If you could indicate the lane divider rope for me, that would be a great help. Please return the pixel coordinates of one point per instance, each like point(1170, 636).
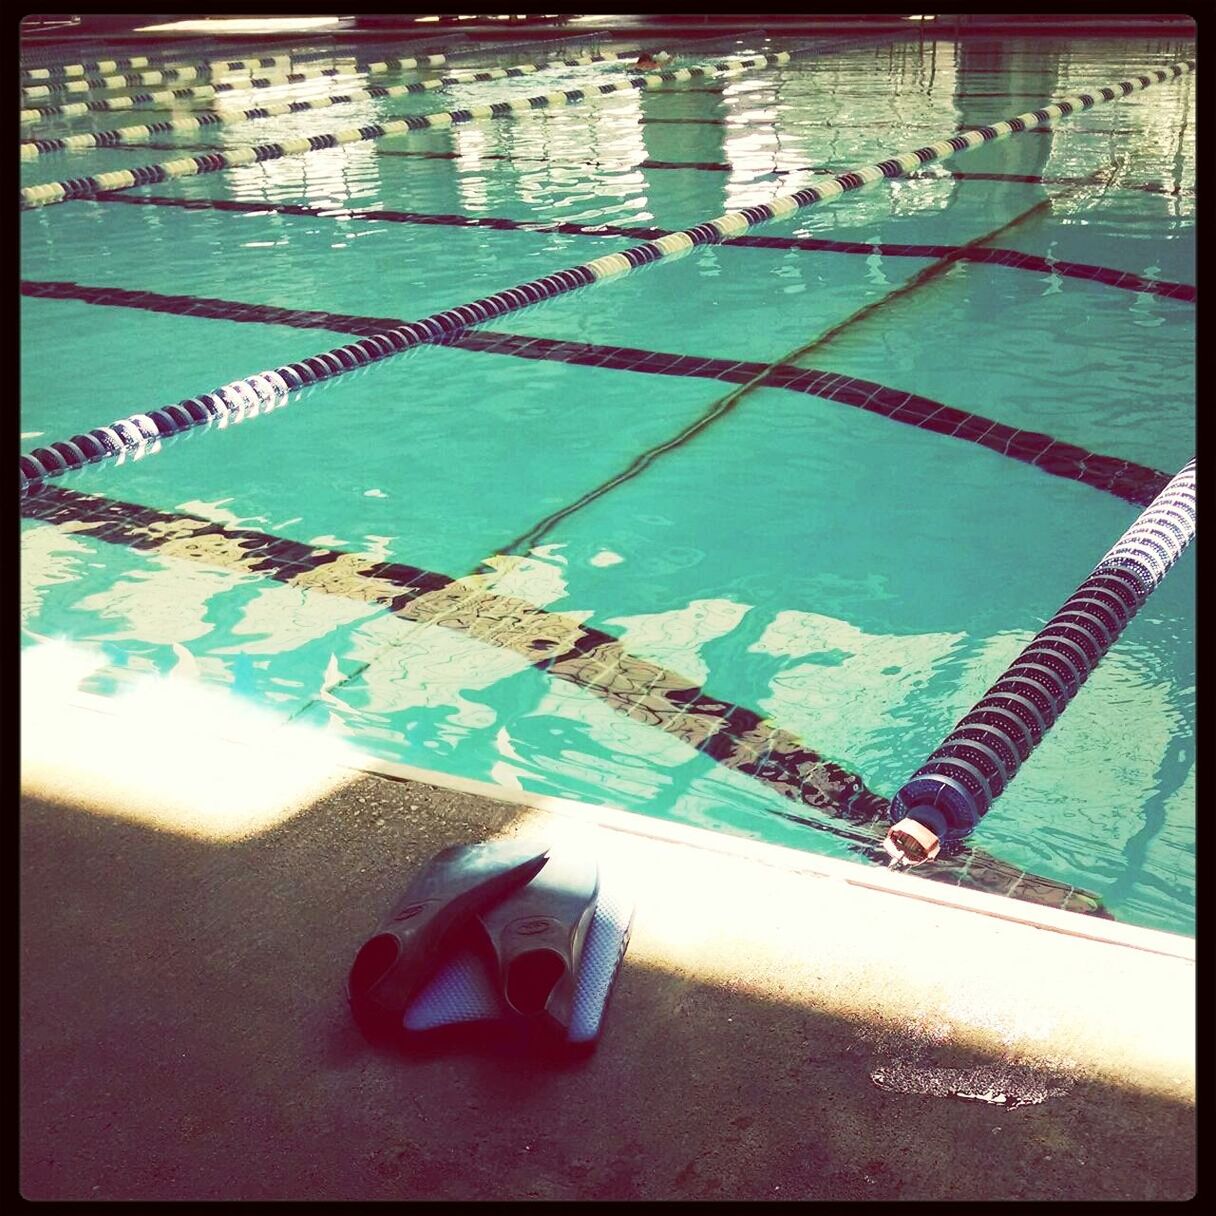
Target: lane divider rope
point(951, 792)
point(1175, 190)
point(54, 71)
point(165, 58)
point(1012, 259)
point(133, 62)
point(218, 63)
point(96, 139)
point(130, 80)
point(204, 92)
point(47, 193)
point(268, 390)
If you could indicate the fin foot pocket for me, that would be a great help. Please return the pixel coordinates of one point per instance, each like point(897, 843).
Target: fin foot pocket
point(536, 935)
point(407, 947)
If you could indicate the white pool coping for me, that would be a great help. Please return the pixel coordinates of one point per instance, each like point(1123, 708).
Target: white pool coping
point(276, 738)
point(871, 877)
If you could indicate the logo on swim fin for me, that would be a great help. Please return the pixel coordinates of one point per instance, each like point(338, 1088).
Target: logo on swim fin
point(534, 924)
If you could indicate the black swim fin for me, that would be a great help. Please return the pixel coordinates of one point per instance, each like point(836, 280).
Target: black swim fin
point(401, 955)
point(537, 935)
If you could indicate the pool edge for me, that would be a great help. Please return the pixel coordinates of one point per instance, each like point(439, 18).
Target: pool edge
point(782, 857)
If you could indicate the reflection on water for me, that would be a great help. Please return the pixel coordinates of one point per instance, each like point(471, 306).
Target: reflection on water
point(886, 676)
point(675, 638)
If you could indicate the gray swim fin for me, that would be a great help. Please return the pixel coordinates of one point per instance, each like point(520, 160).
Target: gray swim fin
point(537, 935)
point(405, 950)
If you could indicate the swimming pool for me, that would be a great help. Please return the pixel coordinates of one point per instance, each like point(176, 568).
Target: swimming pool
point(613, 563)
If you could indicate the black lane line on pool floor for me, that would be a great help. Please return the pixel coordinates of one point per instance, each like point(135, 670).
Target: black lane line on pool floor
point(1135, 483)
point(731, 735)
point(1011, 259)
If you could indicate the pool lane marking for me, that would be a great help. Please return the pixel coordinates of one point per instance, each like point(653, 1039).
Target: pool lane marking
point(693, 122)
point(732, 735)
point(1035, 179)
point(1010, 258)
point(74, 109)
point(67, 71)
point(47, 193)
point(155, 57)
point(219, 90)
point(1125, 479)
point(451, 44)
point(768, 122)
point(265, 391)
point(460, 76)
point(118, 136)
point(719, 409)
point(170, 59)
point(46, 71)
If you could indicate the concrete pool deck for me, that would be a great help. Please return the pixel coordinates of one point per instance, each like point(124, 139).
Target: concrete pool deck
point(777, 1031)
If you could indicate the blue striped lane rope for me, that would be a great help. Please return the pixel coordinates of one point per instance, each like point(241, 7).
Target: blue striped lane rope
point(269, 390)
point(955, 787)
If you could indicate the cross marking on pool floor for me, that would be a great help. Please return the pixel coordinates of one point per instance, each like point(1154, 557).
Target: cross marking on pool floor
point(1126, 479)
point(724, 405)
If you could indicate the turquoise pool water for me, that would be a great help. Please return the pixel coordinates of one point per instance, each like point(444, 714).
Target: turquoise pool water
point(856, 581)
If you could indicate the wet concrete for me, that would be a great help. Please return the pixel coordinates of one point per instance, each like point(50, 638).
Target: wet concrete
point(184, 1032)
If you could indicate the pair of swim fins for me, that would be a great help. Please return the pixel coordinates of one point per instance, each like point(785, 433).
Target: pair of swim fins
point(530, 909)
